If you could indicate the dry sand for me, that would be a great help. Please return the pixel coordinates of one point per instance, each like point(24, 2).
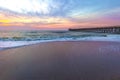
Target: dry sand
point(80, 60)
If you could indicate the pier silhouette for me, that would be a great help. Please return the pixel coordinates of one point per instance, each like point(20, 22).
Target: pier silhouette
point(112, 29)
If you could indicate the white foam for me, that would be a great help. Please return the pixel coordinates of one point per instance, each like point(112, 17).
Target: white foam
point(10, 44)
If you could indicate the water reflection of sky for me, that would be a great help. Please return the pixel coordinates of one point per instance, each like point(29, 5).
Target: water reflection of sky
point(110, 48)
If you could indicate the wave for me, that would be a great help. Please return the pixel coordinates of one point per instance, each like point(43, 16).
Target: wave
point(16, 39)
point(10, 44)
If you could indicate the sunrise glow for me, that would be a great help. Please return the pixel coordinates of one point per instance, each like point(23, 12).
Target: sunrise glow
point(58, 14)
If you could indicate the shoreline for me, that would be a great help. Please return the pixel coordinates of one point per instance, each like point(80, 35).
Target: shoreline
point(2, 49)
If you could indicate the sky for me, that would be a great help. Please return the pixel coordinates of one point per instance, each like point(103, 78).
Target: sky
point(58, 14)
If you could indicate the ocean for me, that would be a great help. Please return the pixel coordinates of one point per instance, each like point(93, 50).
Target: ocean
point(9, 39)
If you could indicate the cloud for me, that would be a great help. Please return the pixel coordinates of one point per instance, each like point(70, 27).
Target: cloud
point(39, 7)
point(59, 13)
point(27, 6)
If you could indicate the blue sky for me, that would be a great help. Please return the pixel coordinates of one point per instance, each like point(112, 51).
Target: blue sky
point(78, 13)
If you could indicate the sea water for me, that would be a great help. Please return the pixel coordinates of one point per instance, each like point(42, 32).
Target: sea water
point(10, 39)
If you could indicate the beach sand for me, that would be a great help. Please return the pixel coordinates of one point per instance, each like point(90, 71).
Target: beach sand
point(65, 60)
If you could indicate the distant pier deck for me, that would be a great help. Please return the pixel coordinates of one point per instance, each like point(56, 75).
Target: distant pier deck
point(114, 30)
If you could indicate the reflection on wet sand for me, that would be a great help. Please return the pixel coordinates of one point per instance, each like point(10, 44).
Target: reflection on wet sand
point(84, 60)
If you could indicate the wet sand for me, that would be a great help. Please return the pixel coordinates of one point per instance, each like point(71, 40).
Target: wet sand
point(79, 60)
